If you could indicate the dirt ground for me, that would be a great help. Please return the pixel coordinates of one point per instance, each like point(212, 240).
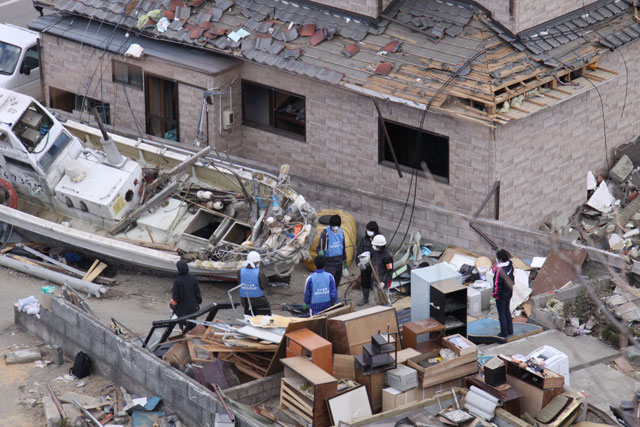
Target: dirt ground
point(135, 302)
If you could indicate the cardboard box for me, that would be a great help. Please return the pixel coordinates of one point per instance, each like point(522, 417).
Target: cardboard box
point(393, 398)
point(349, 333)
point(533, 398)
point(402, 378)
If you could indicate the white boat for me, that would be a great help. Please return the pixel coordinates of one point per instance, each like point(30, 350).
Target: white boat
point(143, 203)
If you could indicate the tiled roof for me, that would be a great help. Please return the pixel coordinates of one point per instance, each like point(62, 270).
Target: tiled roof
point(422, 44)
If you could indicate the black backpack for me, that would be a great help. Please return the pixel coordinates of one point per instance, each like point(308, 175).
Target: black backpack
point(81, 365)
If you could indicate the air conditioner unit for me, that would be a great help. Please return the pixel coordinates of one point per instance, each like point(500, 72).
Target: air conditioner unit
point(227, 119)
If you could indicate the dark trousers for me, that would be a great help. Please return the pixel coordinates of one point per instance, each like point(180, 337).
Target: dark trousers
point(334, 266)
point(260, 306)
point(504, 315)
point(365, 278)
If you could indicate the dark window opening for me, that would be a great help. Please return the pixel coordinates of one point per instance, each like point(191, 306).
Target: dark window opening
point(69, 101)
point(273, 110)
point(161, 108)
point(128, 74)
point(412, 147)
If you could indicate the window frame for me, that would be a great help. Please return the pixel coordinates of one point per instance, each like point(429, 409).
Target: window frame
point(388, 162)
point(271, 128)
point(130, 70)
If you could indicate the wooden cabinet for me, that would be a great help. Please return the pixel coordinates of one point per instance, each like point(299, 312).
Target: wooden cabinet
point(304, 390)
point(449, 307)
point(412, 333)
point(312, 346)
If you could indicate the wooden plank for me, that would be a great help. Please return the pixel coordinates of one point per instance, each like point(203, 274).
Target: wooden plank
point(286, 404)
point(90, 277)
point(94, 265)
point(290, 389)
point(312, 373)
point(344, 366)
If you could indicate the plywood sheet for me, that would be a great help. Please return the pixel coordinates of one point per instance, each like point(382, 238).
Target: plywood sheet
point(558, 269)
point(351, 332)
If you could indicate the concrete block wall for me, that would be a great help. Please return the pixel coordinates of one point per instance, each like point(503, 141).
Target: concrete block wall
point(83, 69)
point(542, 160)
point(342, 140)
point(525, 14)
point(124, 363)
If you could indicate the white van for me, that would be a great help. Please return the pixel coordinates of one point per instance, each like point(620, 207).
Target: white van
point(19, 60)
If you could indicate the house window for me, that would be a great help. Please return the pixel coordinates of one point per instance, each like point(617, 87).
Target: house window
point(69, 101)
point(413, 146)
point(273, 110)
point(128, 74)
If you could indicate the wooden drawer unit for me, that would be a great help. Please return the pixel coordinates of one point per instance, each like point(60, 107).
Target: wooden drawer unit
point(313, 347)
point(304, 390)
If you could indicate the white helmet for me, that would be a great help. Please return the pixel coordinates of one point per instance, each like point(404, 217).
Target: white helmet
point(253, 257)
point(379, 241)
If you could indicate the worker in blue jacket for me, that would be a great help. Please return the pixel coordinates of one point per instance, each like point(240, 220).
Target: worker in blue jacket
point(321, 291)
point(254, 283)
point(332, 247)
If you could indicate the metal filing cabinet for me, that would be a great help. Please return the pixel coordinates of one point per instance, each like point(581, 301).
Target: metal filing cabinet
point(421, 281)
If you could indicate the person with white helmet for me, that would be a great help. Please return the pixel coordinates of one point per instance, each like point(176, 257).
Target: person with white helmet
point(364, 251)
point(382, 263)
point(254, 283)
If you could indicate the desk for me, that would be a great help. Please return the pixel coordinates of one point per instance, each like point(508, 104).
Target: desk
point(510, 397)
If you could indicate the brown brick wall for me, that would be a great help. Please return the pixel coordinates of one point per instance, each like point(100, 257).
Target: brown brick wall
point(529, 13)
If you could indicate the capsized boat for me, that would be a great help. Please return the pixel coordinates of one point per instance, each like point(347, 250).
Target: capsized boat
point(141, 202)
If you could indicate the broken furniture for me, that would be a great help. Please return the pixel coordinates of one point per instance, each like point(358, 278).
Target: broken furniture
point(509, 396)
point(422, 279)
point(417, 334)
point(372, 364)
point(304, 390)
point(495, 372)
point(349, 333)
point(434, 369)
point(375, 357)
point(305, 343)
point(169, 324)
point(449, 306)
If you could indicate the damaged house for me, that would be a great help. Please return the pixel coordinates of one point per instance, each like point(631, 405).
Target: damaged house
point(360, 96)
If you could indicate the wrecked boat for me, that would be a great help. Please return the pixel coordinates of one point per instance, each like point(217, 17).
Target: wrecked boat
point(144, 203)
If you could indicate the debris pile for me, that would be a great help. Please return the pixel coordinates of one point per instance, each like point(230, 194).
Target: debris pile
point(610, 218)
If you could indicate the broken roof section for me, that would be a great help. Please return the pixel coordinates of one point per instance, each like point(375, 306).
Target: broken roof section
point(449, 55)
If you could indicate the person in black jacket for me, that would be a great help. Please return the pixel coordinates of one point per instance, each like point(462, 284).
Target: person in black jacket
point(382, 268)
point(503, 290)
point(364, 245)
point(185, 297)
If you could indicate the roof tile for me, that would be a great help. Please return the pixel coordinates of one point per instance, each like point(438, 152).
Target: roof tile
point(307, 30)
point(383, 69)
point(318, 37)
point(350, 50)
point(392, 46)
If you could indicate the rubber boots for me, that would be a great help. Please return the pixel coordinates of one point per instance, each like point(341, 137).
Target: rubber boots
point(365, 297)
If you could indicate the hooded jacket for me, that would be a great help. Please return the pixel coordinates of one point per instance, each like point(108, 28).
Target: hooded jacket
point(185, 296)
point(503, 281)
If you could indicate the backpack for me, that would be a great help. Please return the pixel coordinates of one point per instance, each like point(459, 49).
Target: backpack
point(81, 365)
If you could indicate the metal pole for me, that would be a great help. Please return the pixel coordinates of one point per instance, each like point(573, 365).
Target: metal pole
point(53, 276)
